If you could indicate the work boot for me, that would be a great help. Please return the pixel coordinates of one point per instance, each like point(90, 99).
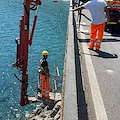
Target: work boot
point(97, 47)
point(91, 46)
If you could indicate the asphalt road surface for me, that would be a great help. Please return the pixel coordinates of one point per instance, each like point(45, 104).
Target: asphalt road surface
point(100, 73)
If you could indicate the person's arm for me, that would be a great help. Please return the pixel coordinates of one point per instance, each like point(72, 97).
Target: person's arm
point(78, 8)
point(107, 12)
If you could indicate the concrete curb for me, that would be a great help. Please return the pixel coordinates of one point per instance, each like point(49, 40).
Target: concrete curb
point(70, 96)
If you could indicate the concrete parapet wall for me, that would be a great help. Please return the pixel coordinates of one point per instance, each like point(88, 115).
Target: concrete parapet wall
point(69, 95)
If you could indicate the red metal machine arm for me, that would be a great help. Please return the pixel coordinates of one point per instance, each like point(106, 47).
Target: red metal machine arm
point(22, 46)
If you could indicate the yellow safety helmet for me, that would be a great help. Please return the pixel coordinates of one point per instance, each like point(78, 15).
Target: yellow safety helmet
point(45, 53)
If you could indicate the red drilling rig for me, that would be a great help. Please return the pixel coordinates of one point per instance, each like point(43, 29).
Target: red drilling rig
point(22, 48)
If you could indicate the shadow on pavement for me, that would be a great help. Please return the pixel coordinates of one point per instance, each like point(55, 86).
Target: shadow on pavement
point(105, 54)
point(102, 54)
point(104, 40)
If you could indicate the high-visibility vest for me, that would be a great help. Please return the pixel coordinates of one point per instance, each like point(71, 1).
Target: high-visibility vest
point(41, 69)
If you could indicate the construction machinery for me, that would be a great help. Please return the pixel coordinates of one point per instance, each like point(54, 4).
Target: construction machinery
point(113, 24)
point(23, 44)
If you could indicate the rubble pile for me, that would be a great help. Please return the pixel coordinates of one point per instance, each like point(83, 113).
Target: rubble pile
point(47, 110)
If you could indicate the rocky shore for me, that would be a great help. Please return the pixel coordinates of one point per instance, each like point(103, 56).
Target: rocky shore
point(47, 110)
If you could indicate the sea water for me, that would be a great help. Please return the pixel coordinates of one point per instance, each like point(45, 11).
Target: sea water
point(50, 35)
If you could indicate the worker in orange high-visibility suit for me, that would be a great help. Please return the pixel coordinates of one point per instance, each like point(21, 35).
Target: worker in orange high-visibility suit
point(44, 73)
point(97, 9)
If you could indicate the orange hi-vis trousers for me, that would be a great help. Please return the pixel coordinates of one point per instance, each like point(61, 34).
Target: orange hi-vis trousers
point(94, 30)
point(45, 86)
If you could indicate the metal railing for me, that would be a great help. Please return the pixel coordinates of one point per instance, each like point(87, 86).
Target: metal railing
point(54, 79)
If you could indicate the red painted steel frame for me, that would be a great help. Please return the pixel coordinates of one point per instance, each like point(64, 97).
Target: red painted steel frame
point(22, 48)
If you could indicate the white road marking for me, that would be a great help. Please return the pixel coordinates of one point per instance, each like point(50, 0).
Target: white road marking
point(95, 90)
point(110, 72)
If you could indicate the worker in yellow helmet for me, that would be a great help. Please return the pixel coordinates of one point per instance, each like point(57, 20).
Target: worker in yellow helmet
point(44, 73)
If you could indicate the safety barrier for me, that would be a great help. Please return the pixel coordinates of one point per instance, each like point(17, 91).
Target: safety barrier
point(55, 79)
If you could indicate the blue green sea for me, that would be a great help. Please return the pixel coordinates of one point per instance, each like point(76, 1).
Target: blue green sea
point(50, 35)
